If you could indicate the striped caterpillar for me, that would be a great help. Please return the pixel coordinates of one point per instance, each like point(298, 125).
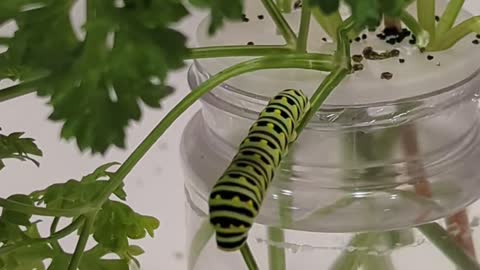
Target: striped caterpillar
point(237, 196)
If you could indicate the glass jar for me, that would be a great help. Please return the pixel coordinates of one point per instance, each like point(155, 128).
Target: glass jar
point(356, 190)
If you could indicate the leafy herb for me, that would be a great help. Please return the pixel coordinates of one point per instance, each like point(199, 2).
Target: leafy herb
point(14, 146)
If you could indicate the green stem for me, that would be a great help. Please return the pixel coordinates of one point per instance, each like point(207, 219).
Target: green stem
point(237, 51)
point(82, 242)
point(282, 25)
point(18, 90)
point(440, 238)
point(285, 6)
point(455, 34)
point(52, 238)
point(426, 16)
point(40, 211)
point(276, 255)
point(329, 23)
point(323, 91)
point(301, 61)
point(423, 37)
point(53, 230)
point(352, 260)
point(304, 28)
point(200, 240)
point(248, 257)
point(449, 16)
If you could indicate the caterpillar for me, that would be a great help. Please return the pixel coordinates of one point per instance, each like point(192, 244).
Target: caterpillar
point(237, 196)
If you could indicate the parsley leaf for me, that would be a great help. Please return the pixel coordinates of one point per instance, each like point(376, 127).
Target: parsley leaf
point(74, 193)
point(366, 13)
point(97, 84)
point(14, 146)
point(116, 223)
point(220, 10)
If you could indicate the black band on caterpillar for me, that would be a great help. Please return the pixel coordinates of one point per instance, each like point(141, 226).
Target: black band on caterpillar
point(237, 197)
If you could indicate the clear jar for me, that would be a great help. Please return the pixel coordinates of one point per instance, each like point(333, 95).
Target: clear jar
point(357, 183)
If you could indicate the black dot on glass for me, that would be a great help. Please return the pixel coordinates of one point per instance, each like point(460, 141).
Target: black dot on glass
point(476, 41)
point(245, 19)
point(261, 17)
point(324, 39)
point(364, 36)
point(357, 39)
point(430, 57)
point(250, 43)
point(411, 41)
point(478, 35)
point(437, 18)
point(401, 60)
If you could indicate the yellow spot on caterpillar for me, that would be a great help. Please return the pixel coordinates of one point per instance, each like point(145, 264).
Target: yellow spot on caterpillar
point(250, 203)
point(236, 199)
point(218, 197)
point(232, 226)
point(242, 227)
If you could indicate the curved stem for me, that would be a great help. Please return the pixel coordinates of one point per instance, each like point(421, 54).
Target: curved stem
point(282, 25)
point(304, 28)
point(18, 90)
point(449, 16)
point(457, 33)
point(40, 211)
point(440, 238)
point(82, 242)
point(53, 230)
point(276, 255)
point(426, 16)
point(302, 61)
point(52, 238)
point(330, 23)
point(285, 6)
point(423, 37)
point(237, 51)
point(248, 257)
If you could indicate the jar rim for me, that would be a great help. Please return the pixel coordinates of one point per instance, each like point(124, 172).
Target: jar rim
point(248, 104)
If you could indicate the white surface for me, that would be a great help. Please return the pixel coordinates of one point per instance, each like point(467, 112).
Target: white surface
point(155, 186)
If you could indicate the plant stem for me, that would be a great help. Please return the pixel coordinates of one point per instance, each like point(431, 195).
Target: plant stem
point(276, 255)
point(304, 28)
point(18, 90)
point(282, 25)
point(248, 257)
point(440, 238)
point(352, 260)
point(426, 16)
point(458, 226)
point(82, 242)
point(449, 16)
point(200, 240)
point(285, 6)
point(53, 230)
point(423, 37)
point(329, 23)
point(455, 34)
point(302, 61)
point(237, 51)
point(391, 22)
point(49, 212)
point(52, 238)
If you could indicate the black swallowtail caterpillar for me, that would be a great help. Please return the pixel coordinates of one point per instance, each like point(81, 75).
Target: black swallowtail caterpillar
point(238, 195)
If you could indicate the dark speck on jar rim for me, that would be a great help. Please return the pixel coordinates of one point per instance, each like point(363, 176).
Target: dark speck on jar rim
point(430, 57)
point(261, 17)
point(476, 41)
point(250, 43)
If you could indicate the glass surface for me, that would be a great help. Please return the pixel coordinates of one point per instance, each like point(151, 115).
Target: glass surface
point(357, 181)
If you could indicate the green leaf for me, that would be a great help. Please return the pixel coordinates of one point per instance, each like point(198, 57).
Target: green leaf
point(26, 258)
point(16, 147)
point(135, 250)
point(367, 13)
point(14, 217)
point(97, 84)
point(327, 6)
point(116, 223)
point(220, 10)
point(74, 193)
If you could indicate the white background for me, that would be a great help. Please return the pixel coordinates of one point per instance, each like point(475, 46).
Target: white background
point(155, 187)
